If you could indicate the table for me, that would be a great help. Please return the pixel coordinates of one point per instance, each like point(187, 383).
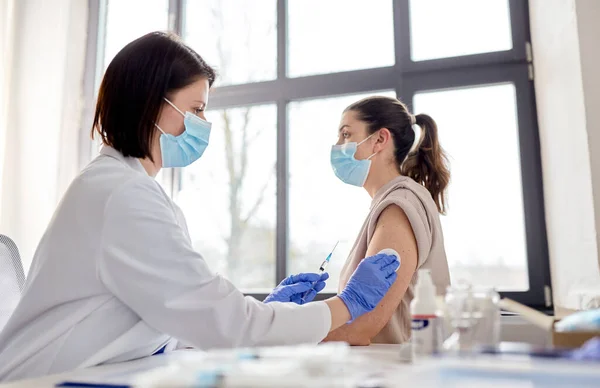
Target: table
point(480, 371)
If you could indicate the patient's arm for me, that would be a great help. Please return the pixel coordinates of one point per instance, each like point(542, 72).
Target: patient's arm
point(393, 230)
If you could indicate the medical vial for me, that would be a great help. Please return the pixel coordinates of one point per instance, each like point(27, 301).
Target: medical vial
point(426, 330)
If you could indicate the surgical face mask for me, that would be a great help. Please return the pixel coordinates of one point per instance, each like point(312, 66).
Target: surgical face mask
point(185, 149)
point(347, 168)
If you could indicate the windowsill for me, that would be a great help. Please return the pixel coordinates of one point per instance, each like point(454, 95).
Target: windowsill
point(560, 312)
point(262, 295)
point(544, 310)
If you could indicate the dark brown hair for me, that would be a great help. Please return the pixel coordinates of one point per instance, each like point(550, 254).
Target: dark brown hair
point(428, 164)
point(132, 90)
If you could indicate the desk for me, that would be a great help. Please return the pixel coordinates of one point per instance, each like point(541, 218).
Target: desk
point(481, 371)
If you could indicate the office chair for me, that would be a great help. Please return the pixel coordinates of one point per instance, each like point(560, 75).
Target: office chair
point(12, 278)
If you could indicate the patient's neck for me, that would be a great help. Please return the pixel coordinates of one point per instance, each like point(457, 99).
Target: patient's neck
point(379, 176)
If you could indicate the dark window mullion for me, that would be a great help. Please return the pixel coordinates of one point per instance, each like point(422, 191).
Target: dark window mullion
point(176, 21)
point(94, 60)
point(519, 25)
point(402, 38)
point(538, 262)
point(281, 39)
point(401, 42)
point(282, 225)
point(305, 88)
point(494, 58)
point(176, 16)
point(457, 78)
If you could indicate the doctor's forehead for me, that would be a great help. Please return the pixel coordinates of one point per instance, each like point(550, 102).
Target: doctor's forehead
point(196, 91)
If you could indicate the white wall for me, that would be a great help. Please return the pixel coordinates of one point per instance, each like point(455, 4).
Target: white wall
point(43, 108)
point(565, 39)
point(588, 25)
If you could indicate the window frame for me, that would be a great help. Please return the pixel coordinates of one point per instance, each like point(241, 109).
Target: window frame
point(407, 78)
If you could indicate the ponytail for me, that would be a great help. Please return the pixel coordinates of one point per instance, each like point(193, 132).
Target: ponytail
point(428, 164)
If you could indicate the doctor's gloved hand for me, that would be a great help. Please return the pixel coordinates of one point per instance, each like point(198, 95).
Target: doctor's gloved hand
point(369, 283)
point(294, 287)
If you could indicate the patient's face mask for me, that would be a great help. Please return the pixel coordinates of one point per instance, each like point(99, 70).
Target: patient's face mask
point(346, 167)
point(185, 149)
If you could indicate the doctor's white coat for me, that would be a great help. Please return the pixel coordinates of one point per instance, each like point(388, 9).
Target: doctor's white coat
point(115, 278)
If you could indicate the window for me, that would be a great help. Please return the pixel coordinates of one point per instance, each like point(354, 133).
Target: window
point(478, 254)
point(341, 36)
point(323, 210)
point(122, 26)
point(237, 37)
point(115, 30)
point(287, 70)
point(462, 27)
point(233, 223)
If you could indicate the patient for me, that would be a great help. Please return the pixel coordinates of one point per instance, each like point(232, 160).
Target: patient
point(398, 160)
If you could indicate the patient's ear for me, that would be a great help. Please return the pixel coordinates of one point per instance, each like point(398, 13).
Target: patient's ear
point(382, 138)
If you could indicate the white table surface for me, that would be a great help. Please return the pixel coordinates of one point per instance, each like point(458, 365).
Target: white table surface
point(492, 371)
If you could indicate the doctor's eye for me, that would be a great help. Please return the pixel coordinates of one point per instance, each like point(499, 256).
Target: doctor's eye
point(197, 111)
point(345, 135)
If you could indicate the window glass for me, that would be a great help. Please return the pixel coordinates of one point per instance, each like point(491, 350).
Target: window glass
point(152, 15)
point(120, 31)
point(484, 230)
point(228, 196)
point(323, 210)
point(239, 38)
point(442, 28)
point(339, 35)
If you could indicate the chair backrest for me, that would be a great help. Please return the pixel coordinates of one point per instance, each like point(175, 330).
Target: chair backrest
point(12, 278)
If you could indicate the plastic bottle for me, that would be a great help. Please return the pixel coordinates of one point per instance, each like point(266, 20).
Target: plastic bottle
point(425, 321)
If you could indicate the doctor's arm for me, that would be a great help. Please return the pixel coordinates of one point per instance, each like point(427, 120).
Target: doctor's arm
point(147, 261)
point(394, 231)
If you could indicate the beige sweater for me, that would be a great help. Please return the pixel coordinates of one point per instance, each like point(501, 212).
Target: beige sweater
point(419, 207)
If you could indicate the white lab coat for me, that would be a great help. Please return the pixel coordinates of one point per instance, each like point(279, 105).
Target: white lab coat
point(115, 278)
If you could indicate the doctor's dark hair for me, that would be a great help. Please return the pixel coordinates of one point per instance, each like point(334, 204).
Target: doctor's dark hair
point(428, 164)
point(132, 90)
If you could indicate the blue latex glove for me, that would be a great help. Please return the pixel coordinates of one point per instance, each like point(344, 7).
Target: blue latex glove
point(293, 288)
point(369, 283)
point(590, 351)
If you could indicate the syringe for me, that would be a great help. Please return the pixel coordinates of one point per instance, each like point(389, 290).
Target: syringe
point(327, 259)
point(322, 268)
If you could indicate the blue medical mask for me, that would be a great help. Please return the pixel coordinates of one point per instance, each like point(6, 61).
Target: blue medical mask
point(346, 167)
point(185, 149)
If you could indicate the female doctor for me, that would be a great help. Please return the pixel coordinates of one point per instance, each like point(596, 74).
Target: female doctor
point(115, 277)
